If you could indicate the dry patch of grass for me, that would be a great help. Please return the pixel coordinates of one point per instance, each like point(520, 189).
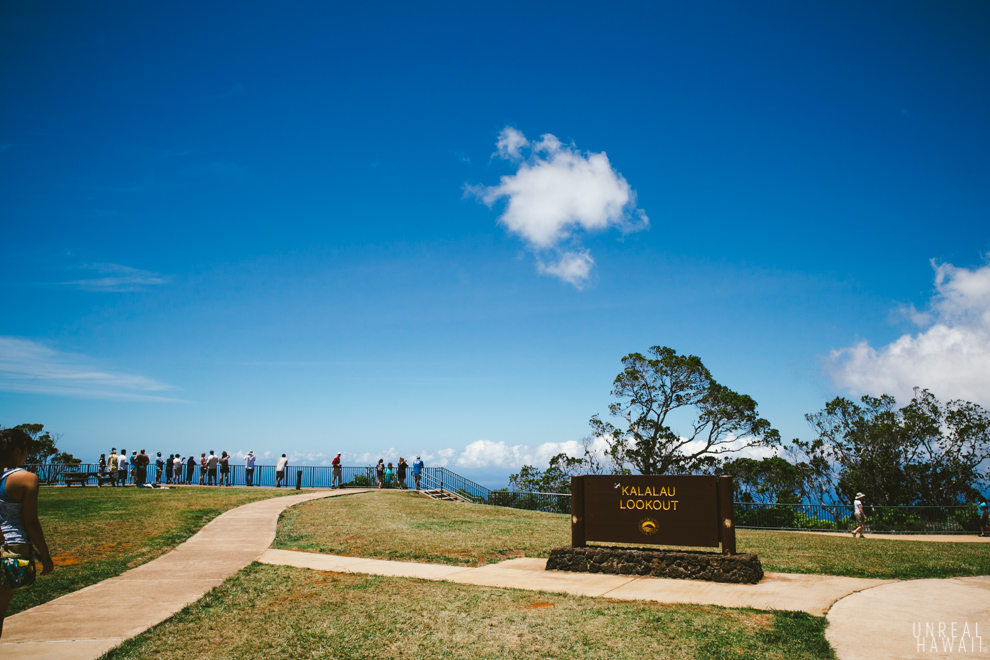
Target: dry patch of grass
point(408, 527)
point(98, 533)
point(281, 612)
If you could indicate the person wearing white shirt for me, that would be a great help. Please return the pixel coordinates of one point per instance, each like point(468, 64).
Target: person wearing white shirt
point(859, 514)
point(211, 468)
point(249, 468)
point(280, 470)
point(122, 467)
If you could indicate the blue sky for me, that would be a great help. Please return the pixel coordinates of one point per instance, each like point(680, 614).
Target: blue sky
point(325, 228)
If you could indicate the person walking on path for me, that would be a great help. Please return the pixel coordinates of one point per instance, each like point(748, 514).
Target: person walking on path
point(23, 539)
point(983, 511)
point(335, 463)
point(400, 471)
point(859, 514)
point(122, 470)
point(112, 466)
point(280, 470)
point(417, 471)
point(249, 468)
point(224, 469)
point(380, 473)
point(141, 462)
point(211, 469)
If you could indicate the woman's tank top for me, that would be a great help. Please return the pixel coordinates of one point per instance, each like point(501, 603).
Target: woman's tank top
point(11, 513)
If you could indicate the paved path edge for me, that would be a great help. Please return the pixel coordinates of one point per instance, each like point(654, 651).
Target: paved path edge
point(87, 623)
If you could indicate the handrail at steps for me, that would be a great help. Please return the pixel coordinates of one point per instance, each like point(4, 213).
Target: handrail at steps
point(444, 479)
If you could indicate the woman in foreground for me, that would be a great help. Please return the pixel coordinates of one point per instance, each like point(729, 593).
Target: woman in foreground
point(23, 540)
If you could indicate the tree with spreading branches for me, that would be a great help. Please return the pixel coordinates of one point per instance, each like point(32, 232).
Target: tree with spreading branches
point(656, 388)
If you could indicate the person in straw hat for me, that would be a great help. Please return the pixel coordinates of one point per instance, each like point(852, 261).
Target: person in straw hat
point(859, 514)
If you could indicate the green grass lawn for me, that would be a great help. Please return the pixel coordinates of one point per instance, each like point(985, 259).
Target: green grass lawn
point(269, 611)
point(98, 533)
point(279, 612)
point(408, 527)
point(872, 557)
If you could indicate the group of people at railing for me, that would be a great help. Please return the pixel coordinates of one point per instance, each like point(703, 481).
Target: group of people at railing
point(121, 470)
point(386, 475)
point(141, 469)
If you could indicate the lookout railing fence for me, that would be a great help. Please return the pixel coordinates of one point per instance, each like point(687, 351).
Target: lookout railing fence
point(958, 519)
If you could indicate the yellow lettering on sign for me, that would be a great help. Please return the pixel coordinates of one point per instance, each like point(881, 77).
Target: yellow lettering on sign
point(649, 505)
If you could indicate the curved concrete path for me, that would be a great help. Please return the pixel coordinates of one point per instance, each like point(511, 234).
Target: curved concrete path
point(913, 619)
point(777, 591)
point(87, 623)
point(867, 618)
point(926, 538)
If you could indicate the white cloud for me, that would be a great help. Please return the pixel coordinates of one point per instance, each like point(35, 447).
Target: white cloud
point(478, 454)
point(510, 143)
point(28, 366)
point(486, 454)
point(557, 193)
point(950, 355)
point(117, 278)
point(572, 267)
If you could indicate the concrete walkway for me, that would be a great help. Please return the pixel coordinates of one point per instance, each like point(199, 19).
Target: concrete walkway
point(867, 618)
point(89, 622)
point(913, 619)
point(927, 538)
point(778, 591)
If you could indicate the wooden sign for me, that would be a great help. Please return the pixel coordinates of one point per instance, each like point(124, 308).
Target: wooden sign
point(685, 510)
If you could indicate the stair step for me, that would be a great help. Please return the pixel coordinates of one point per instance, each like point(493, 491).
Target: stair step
point(442, 495)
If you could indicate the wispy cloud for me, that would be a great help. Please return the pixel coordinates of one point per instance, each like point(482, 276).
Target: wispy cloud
point(556, 194)
point(950, 355)
point(478, 454)
point(29, 366)
point(117, 278)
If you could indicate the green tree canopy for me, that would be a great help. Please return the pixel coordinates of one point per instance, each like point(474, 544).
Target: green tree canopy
point(926, 453)
point(44, 450)
point(655, 388)
point(555, 479)
point(772, 480)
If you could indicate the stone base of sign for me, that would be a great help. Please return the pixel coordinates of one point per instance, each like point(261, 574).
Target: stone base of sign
point(737, 569)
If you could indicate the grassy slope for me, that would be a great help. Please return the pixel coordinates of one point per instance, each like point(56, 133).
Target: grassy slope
point(407, 527)
point(279, 612)
point(98, 533)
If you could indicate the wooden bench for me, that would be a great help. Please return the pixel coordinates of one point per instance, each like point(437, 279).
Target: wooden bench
point(82, 478)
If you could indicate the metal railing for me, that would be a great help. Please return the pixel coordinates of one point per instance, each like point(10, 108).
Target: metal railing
point(444, 479)
point(313, 476)
point(546, 502)
point(961, 519)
